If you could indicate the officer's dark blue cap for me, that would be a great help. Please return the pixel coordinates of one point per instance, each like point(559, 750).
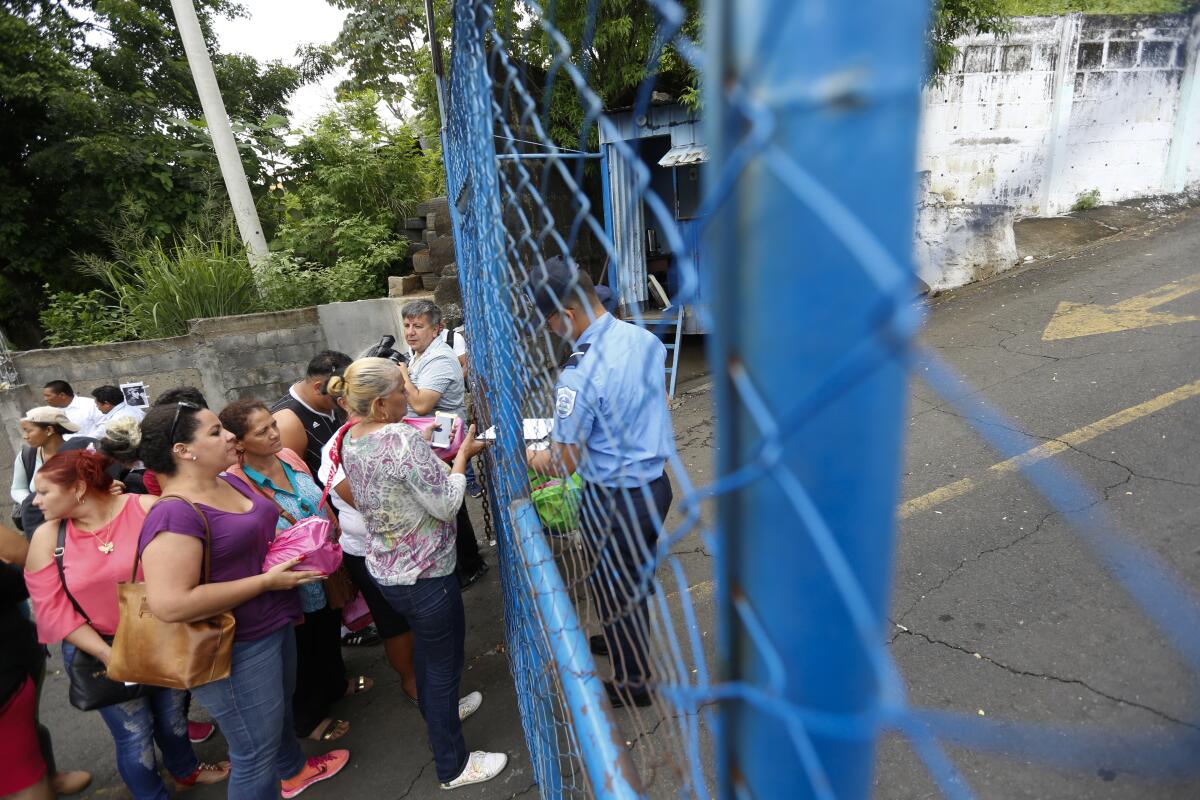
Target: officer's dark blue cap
point(607, 299)
point(550, 284)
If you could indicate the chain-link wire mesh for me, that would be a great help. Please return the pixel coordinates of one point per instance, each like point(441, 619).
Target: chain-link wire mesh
point(519, 200)
point(813, 173)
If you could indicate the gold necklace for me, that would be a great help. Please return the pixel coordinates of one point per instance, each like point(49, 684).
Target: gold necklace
point(105, 547)
point(102, 545)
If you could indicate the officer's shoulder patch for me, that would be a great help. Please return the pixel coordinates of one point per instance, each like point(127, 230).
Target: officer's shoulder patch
point(564, 402)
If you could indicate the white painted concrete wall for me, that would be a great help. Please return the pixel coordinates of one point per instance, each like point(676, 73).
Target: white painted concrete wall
point(1061, 107)
point(990, 129)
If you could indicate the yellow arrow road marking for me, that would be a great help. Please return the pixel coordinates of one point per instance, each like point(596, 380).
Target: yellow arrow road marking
point(1083, 319)
point(1051, 448)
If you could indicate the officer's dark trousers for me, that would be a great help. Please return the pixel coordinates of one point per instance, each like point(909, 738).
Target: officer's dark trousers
point(620, 528)
point(466, 546)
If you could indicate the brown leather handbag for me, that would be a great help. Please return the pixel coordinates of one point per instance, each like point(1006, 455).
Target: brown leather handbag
point(175, 655)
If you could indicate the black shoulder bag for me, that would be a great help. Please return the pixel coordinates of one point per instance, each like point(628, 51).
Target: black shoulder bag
point(91, 687)
point(28, 460)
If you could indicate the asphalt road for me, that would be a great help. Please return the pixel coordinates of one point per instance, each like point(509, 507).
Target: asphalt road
point(997, 606)
point(999, 609)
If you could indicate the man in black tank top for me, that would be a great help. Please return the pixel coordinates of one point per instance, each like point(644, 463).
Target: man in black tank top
point(307, 416)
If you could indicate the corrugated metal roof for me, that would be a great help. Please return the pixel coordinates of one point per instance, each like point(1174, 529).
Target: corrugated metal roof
point(658, 121)
point(683, 154)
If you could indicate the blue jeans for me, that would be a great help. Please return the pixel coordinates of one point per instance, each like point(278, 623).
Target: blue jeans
point(434, 609)
point(253, 706)
point(136, 726)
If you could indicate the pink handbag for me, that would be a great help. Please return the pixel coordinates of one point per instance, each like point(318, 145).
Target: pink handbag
point(355, 614)
point(310, 537)
point(456, 436)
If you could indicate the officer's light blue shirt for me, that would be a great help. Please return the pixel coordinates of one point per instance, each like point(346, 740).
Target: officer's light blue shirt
point(612, 401)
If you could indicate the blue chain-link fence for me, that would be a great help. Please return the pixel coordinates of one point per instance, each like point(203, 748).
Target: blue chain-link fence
point(778, 216)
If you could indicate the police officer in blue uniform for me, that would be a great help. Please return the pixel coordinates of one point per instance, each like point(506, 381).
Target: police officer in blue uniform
point(612, 425)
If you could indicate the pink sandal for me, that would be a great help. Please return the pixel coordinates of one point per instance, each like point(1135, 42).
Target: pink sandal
point(318, 768)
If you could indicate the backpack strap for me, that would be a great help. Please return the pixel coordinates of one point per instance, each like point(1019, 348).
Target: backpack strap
point(28, 460)
point(59, 552)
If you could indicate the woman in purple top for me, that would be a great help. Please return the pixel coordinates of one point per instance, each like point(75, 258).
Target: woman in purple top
point(189, 450)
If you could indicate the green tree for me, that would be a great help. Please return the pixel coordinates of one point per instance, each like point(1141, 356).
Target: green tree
point(343, 204)
point(383, 47)
point(953, 19)
point(99, 113)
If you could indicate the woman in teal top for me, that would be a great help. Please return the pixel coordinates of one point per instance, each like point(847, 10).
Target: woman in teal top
point(282, 476)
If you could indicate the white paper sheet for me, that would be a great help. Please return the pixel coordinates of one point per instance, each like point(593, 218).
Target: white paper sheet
point(535, 430)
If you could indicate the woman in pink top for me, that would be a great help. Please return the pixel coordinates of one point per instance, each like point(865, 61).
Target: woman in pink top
point(101, 543)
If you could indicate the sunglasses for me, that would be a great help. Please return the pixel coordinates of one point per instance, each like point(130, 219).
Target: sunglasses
point(182, 404)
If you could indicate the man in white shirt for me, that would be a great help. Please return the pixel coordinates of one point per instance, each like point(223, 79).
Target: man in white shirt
point(110, 402)
point(80, 410)
point(456, 339)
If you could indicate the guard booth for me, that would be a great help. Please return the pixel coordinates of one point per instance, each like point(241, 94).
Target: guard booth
point(667, 142)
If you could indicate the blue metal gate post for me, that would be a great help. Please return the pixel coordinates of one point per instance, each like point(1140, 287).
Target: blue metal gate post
point(813, 112)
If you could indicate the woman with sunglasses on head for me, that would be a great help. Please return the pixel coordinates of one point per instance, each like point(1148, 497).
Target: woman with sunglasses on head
point(189, 450)
point(409, 500)
point(78, 606)
point(281, 476)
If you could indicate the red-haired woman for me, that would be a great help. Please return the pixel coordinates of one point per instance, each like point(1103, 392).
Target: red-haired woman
point(102, 533)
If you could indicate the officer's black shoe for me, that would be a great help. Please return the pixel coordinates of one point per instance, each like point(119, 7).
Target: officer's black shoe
point(597, 645)
point(622, 697)
point(467, 581)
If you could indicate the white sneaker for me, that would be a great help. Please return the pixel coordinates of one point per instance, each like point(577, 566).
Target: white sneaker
point(469, 705)
point(480, 767)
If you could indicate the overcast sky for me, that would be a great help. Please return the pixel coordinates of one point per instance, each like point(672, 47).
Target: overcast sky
point(273, 30)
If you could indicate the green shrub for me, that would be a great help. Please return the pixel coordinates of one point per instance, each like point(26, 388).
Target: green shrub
point(1086, 200)
point(160, 288)
point(284, 284)
point(71, 318)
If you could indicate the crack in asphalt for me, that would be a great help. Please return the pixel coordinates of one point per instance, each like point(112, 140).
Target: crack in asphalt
point(653, 730)
point(970, 560)
point(1074, 448)
point(699, 550)
point(413, 785)
point(526, 790)
point(926, 594)
point(1046, 676)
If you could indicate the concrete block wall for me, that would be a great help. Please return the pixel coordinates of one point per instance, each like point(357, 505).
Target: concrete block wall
point(1126, 98)
point(255, 355)
point(1062, 107)
point(985, 128)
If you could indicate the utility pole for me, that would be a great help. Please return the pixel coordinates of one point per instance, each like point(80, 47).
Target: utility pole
point(218, 127)
point(439, 68)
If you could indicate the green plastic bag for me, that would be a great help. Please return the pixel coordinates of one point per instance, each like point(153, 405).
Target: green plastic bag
point(556, 500)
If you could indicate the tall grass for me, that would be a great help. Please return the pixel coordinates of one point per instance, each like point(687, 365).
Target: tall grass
point(1048, 8)
point(159, 288)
